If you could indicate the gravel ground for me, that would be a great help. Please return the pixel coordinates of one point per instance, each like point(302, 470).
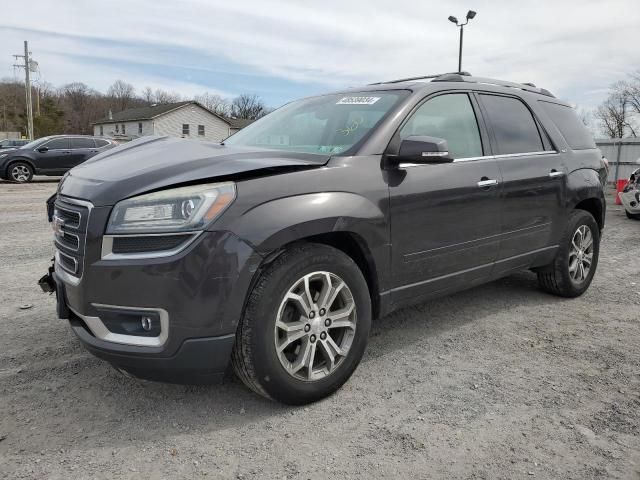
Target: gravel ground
point(501, 381)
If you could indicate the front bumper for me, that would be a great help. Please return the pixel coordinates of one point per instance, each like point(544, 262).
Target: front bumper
point(631, 200)
point(198, 295)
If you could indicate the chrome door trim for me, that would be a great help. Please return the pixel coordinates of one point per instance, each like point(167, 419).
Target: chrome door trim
point(506, 155)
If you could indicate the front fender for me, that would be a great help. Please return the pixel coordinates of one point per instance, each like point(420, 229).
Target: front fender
point(270, 225)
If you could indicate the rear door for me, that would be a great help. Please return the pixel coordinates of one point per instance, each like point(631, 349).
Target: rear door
point(534, 181)
point(82, 148)
point(445, 218)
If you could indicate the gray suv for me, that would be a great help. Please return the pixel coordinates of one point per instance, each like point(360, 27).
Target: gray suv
point(273, 251)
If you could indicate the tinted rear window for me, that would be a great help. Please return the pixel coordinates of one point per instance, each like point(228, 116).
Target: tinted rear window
point(101, 143)
point(572, 129)
point(82, 143)
point(513, 125)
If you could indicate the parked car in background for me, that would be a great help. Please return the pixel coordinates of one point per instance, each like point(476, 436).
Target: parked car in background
point(12, 143)
point(630, 196)
point(274, 250)
point(53, 155)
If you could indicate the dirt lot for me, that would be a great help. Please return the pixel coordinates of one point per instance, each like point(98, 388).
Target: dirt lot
point(501, 381)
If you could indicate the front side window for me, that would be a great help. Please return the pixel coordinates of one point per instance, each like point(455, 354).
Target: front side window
point(450, 117)
point(57, 144)
point(513, 125)
point(329, 124)
point(185, 129)
point(201, 130)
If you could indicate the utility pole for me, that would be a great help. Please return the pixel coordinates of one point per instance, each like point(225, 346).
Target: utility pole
point(27, 86)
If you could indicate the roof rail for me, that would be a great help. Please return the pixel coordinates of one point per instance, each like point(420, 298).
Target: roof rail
point(424, 77)
point(529, 87)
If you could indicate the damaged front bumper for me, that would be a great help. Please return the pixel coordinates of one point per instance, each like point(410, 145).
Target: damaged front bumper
point(630, 199)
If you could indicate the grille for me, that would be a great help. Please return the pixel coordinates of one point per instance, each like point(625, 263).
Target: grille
point(142, 244)
point(70, 239)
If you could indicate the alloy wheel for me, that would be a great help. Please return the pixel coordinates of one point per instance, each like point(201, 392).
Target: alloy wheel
point(581, 254)
point(20, 173)
point(315, 326)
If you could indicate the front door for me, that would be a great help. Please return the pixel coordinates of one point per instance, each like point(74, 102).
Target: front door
point(534, 179)
point(53, 156)
point(445, 218)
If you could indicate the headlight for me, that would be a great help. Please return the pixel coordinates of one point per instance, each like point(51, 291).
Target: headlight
point(176, 210)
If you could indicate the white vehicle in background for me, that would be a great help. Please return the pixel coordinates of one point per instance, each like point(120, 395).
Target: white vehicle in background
point(630, 196)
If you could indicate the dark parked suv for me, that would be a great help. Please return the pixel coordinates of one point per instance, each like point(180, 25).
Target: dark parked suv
point(274, 251)
point(53, 155)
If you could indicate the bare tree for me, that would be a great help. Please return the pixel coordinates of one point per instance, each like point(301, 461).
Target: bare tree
point(217, 104)
point(122, 94)
point(162, 96)
point(81, 107)
point(632, 91)
point(248, 106)
point(148, 96)
point(615, 113)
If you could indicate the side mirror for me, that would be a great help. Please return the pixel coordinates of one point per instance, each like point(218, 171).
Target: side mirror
point(422, 150)
point(43, 149)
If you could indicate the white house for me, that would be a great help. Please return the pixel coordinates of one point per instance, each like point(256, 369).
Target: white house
point(181, 119)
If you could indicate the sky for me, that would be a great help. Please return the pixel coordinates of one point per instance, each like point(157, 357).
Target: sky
point(283, 50)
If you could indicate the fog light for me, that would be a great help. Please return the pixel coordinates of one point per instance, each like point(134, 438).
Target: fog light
point(146, 323)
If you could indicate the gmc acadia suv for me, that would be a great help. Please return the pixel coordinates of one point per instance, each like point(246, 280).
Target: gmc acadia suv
point(274, 250)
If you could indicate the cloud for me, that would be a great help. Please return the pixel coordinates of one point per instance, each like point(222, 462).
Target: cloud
point(284, 49)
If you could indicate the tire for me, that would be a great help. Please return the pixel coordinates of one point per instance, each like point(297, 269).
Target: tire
point(278, 375)
point(632, 216)
point(564, 276)
point(20, 172)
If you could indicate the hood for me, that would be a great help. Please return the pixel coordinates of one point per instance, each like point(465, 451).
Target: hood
point(6, 151)
point(152, 163)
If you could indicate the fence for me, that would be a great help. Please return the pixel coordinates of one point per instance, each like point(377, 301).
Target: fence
point(10, 135)
point(623, 155)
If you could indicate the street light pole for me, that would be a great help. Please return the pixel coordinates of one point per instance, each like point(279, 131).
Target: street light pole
point(470, 14)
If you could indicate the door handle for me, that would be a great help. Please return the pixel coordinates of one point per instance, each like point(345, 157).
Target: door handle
point(555, 173)
point(487, 182)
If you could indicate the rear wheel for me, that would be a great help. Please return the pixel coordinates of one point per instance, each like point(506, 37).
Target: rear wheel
point(571, 272)
point(20, 172)
point(305, 327)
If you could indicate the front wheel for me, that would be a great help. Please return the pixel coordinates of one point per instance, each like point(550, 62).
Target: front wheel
point(571, 272)
point(20, 172)
point(305, 326)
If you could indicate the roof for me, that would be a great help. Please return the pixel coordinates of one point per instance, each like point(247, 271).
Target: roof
point(239, 122)
point(150, 112)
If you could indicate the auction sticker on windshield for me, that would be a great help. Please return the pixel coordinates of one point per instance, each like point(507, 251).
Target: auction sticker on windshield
point(357, 100)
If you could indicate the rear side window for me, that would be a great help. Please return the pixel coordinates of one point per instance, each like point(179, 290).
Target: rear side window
point(450, 117)
point(57, 144)
point(82, 143)
point(101, 143)
point(513, 126)
point(570, 126)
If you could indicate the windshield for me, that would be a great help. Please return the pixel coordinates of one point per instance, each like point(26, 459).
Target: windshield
point(330, 124)
point(35, 143)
